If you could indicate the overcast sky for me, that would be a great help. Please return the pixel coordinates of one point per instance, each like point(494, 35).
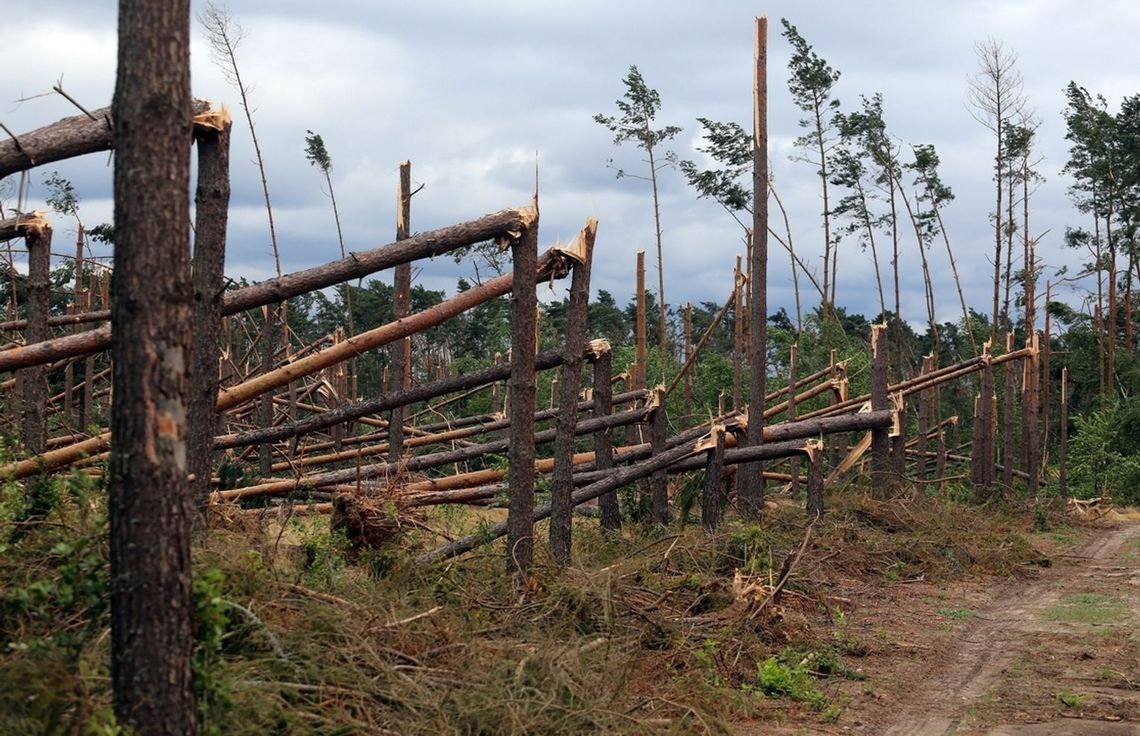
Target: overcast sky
point(470, 92)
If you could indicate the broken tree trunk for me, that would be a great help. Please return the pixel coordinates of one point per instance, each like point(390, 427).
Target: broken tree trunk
point(658, 433)
point(524, 302)
point(880, 438)
point(401, 307)
point(37, 235)
point(67, 138)
point(712, 497)
point(499, 225)
point(208, 275)
point(750, 480)
point(570, 380)
point(604, 440)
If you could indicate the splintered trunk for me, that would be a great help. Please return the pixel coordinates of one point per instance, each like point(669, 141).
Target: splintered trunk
point(662, 338)
point(658, 434)
point(1062, 476)
point(712, 496)
point(639, 378)
point(211, 216)
point(750, 489)
point(687, 413)
point(570, 380)
point(38, 239)
point(152, 627)
point(520, 522)
point(604, 440)
point(880, 400)
point(402, 307)
point(1008, 394)
point(738, 318)
point(982, 460)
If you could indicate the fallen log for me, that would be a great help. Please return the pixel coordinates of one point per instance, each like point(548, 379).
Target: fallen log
point(67, 138)
point(271, 291)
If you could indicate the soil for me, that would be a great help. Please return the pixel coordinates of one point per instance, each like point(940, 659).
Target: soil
point(1055, 651)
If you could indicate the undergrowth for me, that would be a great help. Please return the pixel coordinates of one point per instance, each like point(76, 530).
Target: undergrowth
point(648, 632)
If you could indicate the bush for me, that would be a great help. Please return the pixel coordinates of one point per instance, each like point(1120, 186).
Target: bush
point(1104, 454)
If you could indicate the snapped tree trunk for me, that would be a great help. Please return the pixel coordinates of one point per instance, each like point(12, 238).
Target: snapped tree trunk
point(211, 217)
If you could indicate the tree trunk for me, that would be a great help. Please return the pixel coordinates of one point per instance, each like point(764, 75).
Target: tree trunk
point(520, 525)
point(67, 138)
point(750, 487)
point(357, 265)
point(152, 628)
point(711, 498)
point(880, 400)
point(211, 217)
point(401, 307)
point(604, 441)
point(570, 380)
point(658, 433)
point(38, 239)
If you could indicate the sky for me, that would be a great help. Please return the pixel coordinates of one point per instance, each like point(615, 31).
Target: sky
point(476, 95)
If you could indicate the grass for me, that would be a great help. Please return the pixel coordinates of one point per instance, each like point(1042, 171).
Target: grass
point(956, 613)
point(642, 634)
point(1091, 609)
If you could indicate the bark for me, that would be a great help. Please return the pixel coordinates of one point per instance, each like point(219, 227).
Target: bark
point(272, 291)
point(1009, 392)
point(815, 480)
point(360, 409)
point(152, 628)
point(1030, 383)
point(614, 481)
point(38, 240)
point(210, 221)
point(738, 318)
point(794, 463)
point(639, 373)
point(520, 526)
point(551, 265)
point(66, 138)
point(981, 468)
point(750, 486)
point(1062, 461)
point(658, 484)
point(711, 498)
point(569, 381)
point(603, 440)
point(687, 410)
point(393, 470)
point(880, 440)
point(402, 307)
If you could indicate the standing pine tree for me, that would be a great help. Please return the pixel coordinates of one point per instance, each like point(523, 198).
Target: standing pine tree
point(639, 107)
point(811, 83)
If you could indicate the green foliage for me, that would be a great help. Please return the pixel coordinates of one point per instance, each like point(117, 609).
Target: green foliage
point(1104, 459)
point(638, 107)
point(61, 195)
point(316, 153)
point(212, 618)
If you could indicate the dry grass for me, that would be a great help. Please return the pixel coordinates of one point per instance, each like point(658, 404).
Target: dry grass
point(653, 631)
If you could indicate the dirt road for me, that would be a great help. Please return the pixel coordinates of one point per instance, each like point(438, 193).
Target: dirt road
point(1058, 653)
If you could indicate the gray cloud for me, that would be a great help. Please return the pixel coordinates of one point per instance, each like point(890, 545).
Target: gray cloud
point(470, 92)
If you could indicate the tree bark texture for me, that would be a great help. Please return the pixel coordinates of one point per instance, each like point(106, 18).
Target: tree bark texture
point(659, 482)
point(604, 440)
point(880, 439)
point(570, 380)
point(750, 484)
point(357, 265)
point(152, 631)
point(66, 138)
point(210, 220)
point(38, 240)
point(524, 302)
point(402, 307)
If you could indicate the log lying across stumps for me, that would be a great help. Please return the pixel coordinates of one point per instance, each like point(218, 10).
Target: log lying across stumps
point(416, 464)
point(441, 437)
point(553, 264)
point(67, 138)
point(504, 224)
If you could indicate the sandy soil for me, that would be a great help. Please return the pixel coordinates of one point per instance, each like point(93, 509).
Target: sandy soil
point(1055, 652)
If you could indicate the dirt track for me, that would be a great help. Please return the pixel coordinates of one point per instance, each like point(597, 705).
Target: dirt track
point(1053, 654)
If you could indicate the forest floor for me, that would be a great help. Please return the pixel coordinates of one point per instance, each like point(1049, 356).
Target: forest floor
point(1056, 652)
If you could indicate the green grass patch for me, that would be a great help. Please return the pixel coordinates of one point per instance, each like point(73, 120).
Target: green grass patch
point(958, 613)
point(1092, 609)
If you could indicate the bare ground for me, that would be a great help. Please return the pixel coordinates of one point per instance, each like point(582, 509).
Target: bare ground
point(1055, 652)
